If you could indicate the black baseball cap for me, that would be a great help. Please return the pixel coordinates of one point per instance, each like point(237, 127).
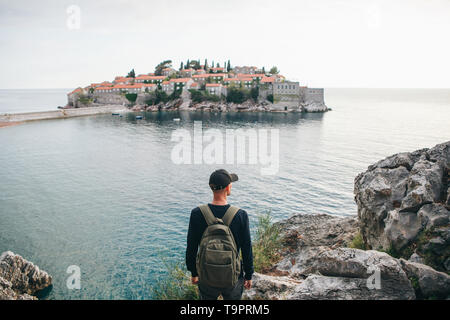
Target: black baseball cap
point(220, 179)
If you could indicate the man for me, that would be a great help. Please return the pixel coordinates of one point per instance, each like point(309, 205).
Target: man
point(220, 183)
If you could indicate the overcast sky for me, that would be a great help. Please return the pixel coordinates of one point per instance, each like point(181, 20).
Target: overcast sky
point(329, 43)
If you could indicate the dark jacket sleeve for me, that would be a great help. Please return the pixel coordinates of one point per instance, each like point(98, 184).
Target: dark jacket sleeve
point(193, 241)
point(246, 247)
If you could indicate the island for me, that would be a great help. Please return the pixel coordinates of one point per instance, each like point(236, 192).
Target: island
point(196, 86)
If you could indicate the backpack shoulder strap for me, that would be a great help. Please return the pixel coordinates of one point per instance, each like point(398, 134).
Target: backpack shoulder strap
point(229, 215)
point(207, 214)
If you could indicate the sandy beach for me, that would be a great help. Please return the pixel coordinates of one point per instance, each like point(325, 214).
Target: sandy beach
point(12, 119)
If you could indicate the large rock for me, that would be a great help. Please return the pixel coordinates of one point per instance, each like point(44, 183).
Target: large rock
point(313, 106)
point(427, 282)
point(403, 205)
point(335, 274)
point(19, 278)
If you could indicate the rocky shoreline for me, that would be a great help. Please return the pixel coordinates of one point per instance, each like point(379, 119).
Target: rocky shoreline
point(12, 119)
point(20, 279)
point(403, 211)
point(248, 106)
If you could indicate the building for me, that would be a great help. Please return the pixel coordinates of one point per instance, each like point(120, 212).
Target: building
point(200, 71)
point(218, 77)
point(72, 97)
point(245, 69)
point(167, 72)
point(286, 95)
point(187, 73)
point(148, 87)
point(217, 70)
point(181, 83)
point(128, 88)
point(150, 79)
point(216, 89)
point(312, 94)
point(167, 87)
point(201, 78)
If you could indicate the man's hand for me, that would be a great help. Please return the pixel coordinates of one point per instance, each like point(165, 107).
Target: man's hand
point(247, 284)
point(194, 280)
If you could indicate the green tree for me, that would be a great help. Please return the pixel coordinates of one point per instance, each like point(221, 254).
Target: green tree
point(175, 94)
point(270, 98)
point(131, 97)
point(254, 93)
point(181, 66)
point(197, 95)
point(264, 70)
point(274, 70)
point(161, 66)
point(237, 95)
point(228, 66)
point(206, 64)
point(131, 74)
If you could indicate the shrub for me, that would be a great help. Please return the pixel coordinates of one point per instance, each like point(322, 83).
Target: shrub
point(131, 97)
point(357, 242)
point(197, 95)
point(175, 94)
point(254, 93)
point(176, 285)
point(267, 244)
point(157, 97)
point(270, 98)
point(237, 95)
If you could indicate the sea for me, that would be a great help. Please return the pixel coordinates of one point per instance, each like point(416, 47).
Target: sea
point(104, 194)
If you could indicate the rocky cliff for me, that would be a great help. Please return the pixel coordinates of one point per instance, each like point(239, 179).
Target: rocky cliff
point(20, 279)
point(185, 103)
point(403, 204)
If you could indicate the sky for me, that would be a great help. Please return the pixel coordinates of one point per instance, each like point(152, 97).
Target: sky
point(320, 43)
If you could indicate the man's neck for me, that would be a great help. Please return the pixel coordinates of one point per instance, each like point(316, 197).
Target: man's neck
point(219, 201)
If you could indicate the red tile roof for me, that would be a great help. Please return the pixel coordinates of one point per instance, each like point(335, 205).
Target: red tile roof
point(180, 80)
point(267, 79)
point(128, 86)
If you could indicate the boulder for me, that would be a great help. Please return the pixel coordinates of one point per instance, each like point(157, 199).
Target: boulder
point(403, 205)
point(19, 278)
point(427, 282)
point(317, 265)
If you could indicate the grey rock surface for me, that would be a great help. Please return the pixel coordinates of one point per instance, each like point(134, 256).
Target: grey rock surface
point(403, 205)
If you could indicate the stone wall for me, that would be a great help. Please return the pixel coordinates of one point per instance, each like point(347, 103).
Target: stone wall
point(110, 98)
point(61, 113)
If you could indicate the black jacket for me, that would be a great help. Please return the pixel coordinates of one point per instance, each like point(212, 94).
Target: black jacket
point(241, 233)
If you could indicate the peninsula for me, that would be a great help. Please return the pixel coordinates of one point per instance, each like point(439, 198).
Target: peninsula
point(196, 86)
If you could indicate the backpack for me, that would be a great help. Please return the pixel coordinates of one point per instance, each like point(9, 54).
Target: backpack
point(218, 263)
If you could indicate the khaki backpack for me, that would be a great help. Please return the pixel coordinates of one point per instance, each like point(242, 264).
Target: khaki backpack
point(218, 262)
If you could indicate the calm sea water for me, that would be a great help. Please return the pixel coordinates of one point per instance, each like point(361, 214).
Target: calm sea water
point(26, 100)
point(102, 193)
